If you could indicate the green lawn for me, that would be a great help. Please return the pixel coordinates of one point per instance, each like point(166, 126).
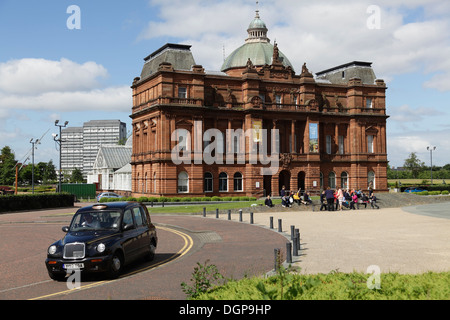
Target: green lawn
point(198, 208)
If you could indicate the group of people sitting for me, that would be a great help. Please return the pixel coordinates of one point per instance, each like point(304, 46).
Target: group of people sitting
point(289, 198)
point(331, 200)
point(344, 198)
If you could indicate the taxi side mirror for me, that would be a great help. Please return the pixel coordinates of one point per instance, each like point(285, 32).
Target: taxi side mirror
point(128, 226)
point(65, 229)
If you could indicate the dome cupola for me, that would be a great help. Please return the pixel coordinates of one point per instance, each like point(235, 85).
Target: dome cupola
point(257, 48)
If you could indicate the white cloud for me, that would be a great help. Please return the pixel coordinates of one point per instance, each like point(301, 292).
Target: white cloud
point(33, 76)
point(321, 33)
point(39, 84)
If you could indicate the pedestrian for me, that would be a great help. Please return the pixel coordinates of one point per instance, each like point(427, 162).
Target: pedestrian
point(373, 201)
point(323, 201)
point(340, 198)
point(354, 200)
point(329, 195)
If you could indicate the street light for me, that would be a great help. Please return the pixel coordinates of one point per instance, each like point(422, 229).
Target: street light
point(33, 142)
point(431, 149)
point(59, 141)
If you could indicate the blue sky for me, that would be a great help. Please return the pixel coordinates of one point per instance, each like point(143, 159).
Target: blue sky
point(50, 72)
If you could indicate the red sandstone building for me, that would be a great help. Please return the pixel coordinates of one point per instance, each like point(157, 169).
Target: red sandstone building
point(332, 127)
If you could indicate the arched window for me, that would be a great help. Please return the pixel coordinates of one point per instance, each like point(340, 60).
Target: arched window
point(208, 179)
point(183, 182)
point(332, 180)
point(238, 182)
point(223, 182)
point(344, 180)
point(371, 179)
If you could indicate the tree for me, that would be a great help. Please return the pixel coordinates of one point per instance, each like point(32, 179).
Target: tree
point(77, 176)
point(7, 163)
point(414, 165)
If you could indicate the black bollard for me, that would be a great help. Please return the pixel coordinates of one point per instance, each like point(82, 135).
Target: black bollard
point(280, 229)
point(163, 204)
point(251, 217)
point(240, 215)
point(292, 232)
point(229, 214)
point(295, 247)
point(297, 234)
point(288, 252)
point(271, 222)
point(217, 213)
point(204, 212)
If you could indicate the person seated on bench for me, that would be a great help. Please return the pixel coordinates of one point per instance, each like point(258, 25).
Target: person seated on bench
point(364, 200)
point(268, 202)
point(306, 198)
point(297, 197)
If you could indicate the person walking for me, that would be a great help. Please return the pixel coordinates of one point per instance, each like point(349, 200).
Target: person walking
point(329, 195)
point(373, 201)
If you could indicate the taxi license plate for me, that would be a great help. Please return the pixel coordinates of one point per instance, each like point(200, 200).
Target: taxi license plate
point(72, 266)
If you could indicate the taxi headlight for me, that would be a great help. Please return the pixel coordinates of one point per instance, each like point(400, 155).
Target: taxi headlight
point(101, 247)
point(52, 249)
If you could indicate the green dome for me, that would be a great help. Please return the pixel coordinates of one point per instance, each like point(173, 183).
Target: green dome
point(260, 53)
point(257, 23)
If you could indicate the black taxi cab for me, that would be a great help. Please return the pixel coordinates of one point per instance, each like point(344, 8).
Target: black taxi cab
point(103, 238)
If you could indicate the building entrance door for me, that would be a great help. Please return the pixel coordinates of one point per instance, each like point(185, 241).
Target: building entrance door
point(284, 180)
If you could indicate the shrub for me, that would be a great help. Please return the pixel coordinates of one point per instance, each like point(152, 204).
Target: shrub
point(226, 199)
point(175, 199)
point(131, 199)
point(252, 199)
point(445, 192)
point(142, 199)
point(196, 199)
point(206, 199)
point(186, 199)
point(152, 199)
point(434, 193)
point(163, 199)
point(215, 198)
point(235, 199)
point(244, 198)
point(11, 203)
point(423, 193)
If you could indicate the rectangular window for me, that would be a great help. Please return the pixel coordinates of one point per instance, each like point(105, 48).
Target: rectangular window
point(341, 144)
point(328, 146)
point(278, 100)
point(369, 103)
point(370, 144)
point(182, 93)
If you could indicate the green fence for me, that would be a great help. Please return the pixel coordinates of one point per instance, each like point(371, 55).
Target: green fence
point(80, 190)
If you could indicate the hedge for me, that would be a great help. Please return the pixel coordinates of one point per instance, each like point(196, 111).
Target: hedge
point(11, 203)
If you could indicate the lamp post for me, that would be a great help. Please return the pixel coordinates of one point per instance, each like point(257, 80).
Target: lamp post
point(59, 141)
point(431, 149)
point(33, 143)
